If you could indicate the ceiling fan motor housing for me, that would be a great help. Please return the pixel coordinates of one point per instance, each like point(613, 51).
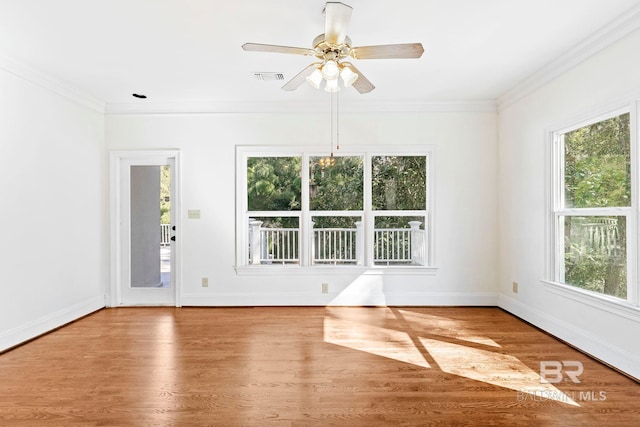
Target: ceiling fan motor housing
point(325, 50)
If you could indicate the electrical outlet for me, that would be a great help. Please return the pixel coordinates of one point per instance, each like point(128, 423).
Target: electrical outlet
point(325, 288)
point(205, 282)
point(515, 287)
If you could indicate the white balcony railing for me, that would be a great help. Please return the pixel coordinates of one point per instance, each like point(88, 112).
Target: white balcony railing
point(597, 235)
point(337, 246)
point(279, 245)
point(165, 234)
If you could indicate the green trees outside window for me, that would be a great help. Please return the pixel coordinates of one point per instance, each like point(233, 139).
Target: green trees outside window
point(598, 165)
point(274, 183)
point(165, 195)
point(399, 182)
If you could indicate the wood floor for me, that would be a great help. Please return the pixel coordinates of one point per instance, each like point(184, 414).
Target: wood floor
point(305, 366)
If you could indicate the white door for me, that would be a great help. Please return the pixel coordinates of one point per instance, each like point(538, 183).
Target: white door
point(146, 236)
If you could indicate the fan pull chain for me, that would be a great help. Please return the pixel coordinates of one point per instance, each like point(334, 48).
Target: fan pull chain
point(331, 111)
point(337, 120)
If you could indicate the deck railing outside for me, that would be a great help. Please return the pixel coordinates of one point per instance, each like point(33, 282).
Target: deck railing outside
point(599, 235)
point(400, 245)
point(337, 246)
point(279, 245)
point(165, 234)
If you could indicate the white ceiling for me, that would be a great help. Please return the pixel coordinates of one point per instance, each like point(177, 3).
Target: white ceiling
point(188, 51)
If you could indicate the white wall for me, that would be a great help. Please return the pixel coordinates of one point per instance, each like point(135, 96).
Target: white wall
point(600, 82)
point(466, 203)
point(52, 196)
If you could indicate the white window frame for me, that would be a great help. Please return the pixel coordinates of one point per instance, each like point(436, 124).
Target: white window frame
point(305, 214)
point(557, 212)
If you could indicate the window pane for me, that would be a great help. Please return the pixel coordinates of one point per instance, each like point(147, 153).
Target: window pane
point(595, 253)
point(335, 183)
point(274, 240)
point(337, 240)
point(273, 183)
point(399, 182)
point(399, 240)
point(598, 165)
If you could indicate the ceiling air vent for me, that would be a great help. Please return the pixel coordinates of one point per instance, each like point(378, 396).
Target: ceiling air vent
point(268, 76)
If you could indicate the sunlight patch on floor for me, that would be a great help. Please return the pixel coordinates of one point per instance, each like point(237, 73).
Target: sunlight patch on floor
point(408, 337)
point(375, 340)
point(445, 327)
point(490, 367)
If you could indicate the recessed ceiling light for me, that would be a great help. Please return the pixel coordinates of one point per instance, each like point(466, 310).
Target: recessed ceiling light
point(137, 95)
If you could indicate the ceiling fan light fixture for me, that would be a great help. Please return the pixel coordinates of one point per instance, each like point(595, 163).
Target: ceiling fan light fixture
point(315, 78)
point(333, 46)
point(348, 75)
point(330, 70)
point(332, 86)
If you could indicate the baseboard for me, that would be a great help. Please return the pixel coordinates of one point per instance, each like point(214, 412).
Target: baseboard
point(339, 299)
point(47, 323)
point(582, 339)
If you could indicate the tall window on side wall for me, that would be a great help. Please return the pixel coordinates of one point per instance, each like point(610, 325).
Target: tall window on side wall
point(359, 209)
point(593, 213)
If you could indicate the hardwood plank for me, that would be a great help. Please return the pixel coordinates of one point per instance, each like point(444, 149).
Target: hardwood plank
point(304, 366)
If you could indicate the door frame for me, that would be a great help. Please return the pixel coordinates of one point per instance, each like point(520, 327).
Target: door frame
point(113, 296)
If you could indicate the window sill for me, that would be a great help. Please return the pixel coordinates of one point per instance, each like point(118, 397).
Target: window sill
point(603, 302)
point(275, 270)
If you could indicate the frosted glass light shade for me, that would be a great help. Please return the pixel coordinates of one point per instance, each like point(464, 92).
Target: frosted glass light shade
point(348, 76)
point(332, 86)
point(330, 70)
point(315, 78)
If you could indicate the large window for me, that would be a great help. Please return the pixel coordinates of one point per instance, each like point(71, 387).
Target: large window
point(361, 208)
point(593, 215)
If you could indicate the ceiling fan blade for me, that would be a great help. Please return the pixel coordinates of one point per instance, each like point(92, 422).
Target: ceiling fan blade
point(362, 84)
point(336, 20)
point(388, 51)
point(300, 78)
point(257, 47)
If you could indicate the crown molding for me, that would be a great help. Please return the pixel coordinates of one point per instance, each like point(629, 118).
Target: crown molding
point(214, 107)
point(50, 83)
point(598, 41)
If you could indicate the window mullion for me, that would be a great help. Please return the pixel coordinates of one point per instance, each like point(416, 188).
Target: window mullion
point(612, 211)
point(306, 228)
point(557, 201)
point(559, 197)
point(368, 218)
point(633, 240)
point(559, 268)
point(242, 216)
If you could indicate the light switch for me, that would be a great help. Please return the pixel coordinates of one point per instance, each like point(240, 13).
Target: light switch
point(193, 213)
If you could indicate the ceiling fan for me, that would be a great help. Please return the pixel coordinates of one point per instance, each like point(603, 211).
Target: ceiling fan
point(332, 48)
